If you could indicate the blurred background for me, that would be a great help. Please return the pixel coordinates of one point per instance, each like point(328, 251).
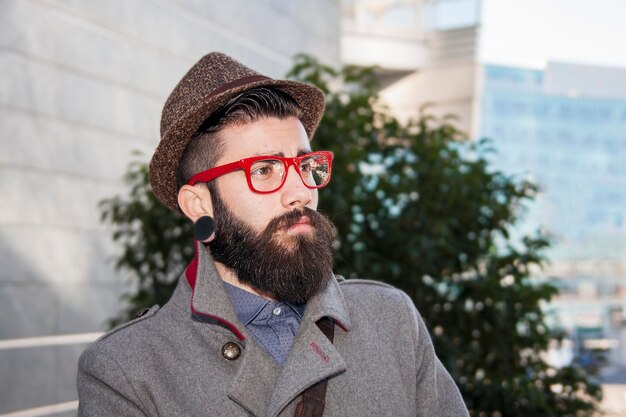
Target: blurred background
point(82, 85)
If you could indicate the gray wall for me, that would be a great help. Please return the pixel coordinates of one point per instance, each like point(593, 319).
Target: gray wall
point(82, 84)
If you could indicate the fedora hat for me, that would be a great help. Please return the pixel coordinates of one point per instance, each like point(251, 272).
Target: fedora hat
point(207, 86)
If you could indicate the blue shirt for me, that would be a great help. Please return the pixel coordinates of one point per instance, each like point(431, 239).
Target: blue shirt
point(273, 324)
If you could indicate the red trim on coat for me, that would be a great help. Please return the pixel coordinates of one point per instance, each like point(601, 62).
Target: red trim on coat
point(191, 274)
point(337, 322)
point(192, 269)
point(228, 324)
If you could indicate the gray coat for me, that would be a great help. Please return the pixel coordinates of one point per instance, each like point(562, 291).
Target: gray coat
point(169, 362)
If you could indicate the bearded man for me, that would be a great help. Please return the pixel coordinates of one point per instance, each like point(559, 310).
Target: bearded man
point(258, 324)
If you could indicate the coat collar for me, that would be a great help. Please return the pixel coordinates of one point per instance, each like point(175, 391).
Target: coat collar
point(210, 299)
point(311, 359)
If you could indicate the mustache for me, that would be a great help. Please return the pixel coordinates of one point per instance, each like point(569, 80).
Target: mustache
point(285, 221)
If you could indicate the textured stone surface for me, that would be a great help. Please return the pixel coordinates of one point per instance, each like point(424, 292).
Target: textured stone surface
point(51, 377)
point(82, 84)
point(56, 281)
point(50, 144)
point(34, 253)
point(49, 90)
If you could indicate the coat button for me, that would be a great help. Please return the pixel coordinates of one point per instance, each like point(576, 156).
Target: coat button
point(231, 351)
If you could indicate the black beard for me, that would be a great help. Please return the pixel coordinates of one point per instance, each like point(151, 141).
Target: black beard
point(290, 268)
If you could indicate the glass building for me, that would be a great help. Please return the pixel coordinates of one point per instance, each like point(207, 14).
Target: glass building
point(564, 128)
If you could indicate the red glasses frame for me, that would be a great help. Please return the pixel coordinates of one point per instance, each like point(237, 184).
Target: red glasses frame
point(245, 164)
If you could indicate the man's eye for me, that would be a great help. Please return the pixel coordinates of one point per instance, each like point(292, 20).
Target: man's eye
point(263, 168)
point(308, 165)
point(266, 170)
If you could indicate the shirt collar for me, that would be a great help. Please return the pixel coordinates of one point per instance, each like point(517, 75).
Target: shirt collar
point(248, 305)
point(203, 286)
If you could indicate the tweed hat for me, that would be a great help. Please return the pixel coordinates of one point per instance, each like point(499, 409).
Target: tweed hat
point(207, 86)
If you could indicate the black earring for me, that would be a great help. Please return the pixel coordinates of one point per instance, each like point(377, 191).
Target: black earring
point(203, 228)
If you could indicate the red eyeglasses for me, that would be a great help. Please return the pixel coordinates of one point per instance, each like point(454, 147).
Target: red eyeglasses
point(266, 174)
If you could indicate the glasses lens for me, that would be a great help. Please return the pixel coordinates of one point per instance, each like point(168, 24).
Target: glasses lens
point(315, 170)
point(267, 175)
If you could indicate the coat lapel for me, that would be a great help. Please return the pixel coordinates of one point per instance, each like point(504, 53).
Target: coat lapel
point(209, 297)
point(253, 386)
point(257, 372)
point(312, 357)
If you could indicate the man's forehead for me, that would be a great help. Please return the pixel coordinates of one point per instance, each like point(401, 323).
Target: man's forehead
point(268, 136)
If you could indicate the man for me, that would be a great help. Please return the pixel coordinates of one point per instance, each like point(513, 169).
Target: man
point(258, 324)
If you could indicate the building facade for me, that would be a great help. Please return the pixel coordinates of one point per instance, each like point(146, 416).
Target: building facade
point(564, 128)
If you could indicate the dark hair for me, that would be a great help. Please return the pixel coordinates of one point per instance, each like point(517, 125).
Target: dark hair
point(206, 146)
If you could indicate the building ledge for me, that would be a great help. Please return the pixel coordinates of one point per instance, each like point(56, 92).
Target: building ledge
point(389, 52)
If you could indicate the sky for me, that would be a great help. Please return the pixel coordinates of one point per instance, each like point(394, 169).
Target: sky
point(531, 32)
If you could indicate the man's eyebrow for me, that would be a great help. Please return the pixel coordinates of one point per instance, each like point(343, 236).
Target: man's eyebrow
point(282, 154)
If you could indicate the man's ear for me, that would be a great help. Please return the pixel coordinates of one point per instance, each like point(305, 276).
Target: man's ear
point(195, 201)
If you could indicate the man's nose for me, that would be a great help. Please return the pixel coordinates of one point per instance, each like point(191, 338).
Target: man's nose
point(294, 193)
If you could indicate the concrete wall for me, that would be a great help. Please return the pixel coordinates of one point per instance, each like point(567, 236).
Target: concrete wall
point(448, 90)
point(449, 80)
point(82, 84)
